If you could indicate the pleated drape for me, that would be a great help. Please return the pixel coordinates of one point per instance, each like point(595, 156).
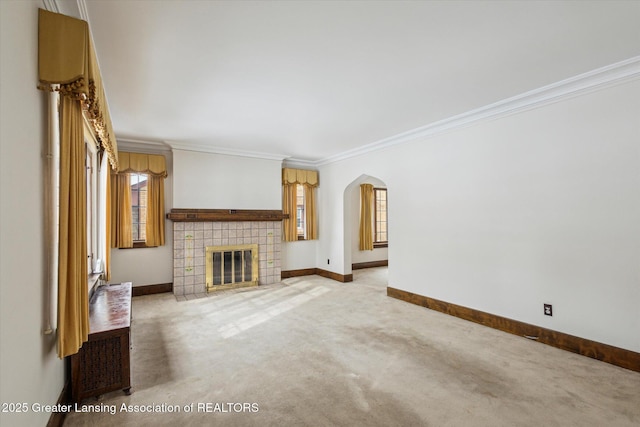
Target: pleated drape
point(155, 211)
point(300, 176)
point(290, 231)
point(73, 299)
point(149, 164)
point(66, 57)
point(366, 217)
point(310, 212)
point(121, 236)
point(67, 63)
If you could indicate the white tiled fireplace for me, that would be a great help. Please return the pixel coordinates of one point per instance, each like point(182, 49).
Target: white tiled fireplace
point(190, 240)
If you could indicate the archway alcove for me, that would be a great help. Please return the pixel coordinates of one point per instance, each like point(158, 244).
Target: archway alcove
point(352, 253)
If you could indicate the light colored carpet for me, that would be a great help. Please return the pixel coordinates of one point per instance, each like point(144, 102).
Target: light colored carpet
point(315, 352)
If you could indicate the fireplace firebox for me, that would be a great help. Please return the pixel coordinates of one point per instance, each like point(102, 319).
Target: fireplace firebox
point(229, 267)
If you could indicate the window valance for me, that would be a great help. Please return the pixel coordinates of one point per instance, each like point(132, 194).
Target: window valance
point(152, 164)
point(300, 176)
point(66, 57)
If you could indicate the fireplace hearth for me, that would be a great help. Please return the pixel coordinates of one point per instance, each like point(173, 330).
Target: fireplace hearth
point(198, 237)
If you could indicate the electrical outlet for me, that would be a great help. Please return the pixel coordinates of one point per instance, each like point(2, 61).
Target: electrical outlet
point(548, 310)
point(328, 261)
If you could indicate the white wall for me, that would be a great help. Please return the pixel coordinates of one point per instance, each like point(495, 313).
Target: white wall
point(29, 368)
point(216, 181)
point(298, 255)
point(148, 266)
point(332, 245)
point(352, 221)
point(537, 207)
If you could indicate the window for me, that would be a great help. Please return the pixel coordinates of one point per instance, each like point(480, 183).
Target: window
point(138, 182)
point(96, 220)
point(91, 165)
point(300, 215)
point(138, 189)
point(299, 204)
point(380, 239)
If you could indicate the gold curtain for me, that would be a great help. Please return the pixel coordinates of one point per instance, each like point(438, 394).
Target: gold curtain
point(150, 164)
point(66, 57)
point(310, 212)
point(67, 63)
point(155, 167)
point(121, 236)
point(366, 213)
point(107, 249)
point(155, 211)
point(290, 233)
point(73, 300)
point(300, 176)
point(309, 180)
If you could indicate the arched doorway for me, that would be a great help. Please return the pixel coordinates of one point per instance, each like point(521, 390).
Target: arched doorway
point(352, 254)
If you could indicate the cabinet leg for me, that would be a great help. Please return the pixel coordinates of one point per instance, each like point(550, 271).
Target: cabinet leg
point(127, 391)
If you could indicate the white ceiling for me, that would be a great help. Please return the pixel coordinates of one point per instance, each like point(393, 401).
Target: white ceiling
point(312, 79)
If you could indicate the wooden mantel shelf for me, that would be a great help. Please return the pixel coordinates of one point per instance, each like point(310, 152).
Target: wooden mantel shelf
point(203, 215)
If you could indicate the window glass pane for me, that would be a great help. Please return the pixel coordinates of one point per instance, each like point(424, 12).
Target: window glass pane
point(143, 194)
point(380, 214)
point(138, 206)
point(300, 215)
point(143, 217)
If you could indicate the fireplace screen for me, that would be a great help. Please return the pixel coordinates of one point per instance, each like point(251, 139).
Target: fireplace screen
point(231, 267)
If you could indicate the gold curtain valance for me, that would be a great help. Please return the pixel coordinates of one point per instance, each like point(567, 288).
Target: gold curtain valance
point(300, 176)
point(152, 164)
point(66, 57)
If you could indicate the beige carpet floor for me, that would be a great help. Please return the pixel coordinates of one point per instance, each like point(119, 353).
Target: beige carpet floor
point(315, 352)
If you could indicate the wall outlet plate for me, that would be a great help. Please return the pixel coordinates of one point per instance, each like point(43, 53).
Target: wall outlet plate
point(548, 310)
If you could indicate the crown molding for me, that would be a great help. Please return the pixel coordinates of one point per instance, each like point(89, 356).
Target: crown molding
point(149, 145)
point(203, 148)
point(299, 163)
point(51, 5)
point(72, 8)
point(141, 145)
point(82, 8)
point(600, 78)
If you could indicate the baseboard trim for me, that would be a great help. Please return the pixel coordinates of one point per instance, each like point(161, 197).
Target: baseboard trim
point(344, 278)
point(57, 418)
point(138, 291)
point(370, 264)
point(606, 353)
point(297, 273)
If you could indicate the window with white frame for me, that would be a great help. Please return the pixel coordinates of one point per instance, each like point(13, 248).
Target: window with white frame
point(380, 238)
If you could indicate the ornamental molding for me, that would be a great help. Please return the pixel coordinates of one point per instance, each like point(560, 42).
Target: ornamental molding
point(591, 81)
point(204, 148)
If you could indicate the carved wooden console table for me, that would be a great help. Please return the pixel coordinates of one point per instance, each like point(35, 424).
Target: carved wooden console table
point(103, 365)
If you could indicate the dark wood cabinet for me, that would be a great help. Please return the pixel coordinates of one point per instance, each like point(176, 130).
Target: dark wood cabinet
point(103, 364)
